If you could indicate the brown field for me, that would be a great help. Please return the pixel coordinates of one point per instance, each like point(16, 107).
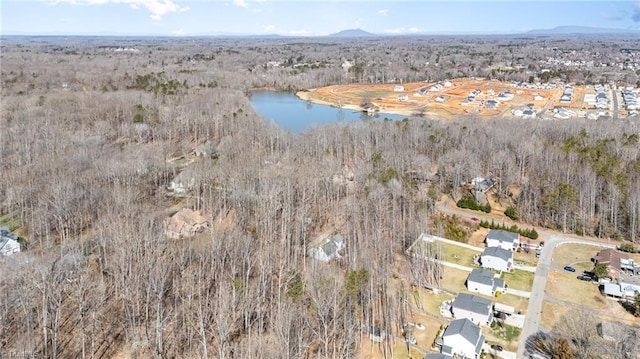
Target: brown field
point(387, 100)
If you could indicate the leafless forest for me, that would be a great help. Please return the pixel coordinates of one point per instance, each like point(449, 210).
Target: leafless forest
point(87, 129)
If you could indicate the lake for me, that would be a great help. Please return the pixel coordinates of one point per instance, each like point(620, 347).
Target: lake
point(288, 111)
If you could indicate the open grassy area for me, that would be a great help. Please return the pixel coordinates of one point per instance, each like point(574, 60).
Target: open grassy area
point(519, 303)
point(429, 302)
point(576, 255)
point(457, 254)
point(565, 286)
point(454, 279)
point(519, 279)
point(526, 258)
point(551, 314)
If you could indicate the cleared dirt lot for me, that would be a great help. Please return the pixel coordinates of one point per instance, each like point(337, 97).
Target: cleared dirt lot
point(449, 101)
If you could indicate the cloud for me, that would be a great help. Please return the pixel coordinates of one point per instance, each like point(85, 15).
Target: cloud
point(636, 12)
point(383, 12)
point(241, 3)
point(156, 8)
point(269, 28)
point(402, 30)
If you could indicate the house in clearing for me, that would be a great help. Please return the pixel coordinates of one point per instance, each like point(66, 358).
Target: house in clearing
point(398, 88)
point(497, 258)
point(462, 338)
point(185, 223)
point(616, 262)
point(503, 239)
point(182, 183)
point(476, 309)
point(326, 249)
point(403, 98)
point(485, 282)
point(8, 242)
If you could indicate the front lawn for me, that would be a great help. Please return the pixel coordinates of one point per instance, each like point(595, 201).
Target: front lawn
point(458, 255)
point(519, 279)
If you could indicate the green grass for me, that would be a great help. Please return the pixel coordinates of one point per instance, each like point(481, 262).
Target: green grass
point(457, 254)
point(10, 221)
point(506, 332)
point(519, 303)
point(430, 302)
point(519, 279)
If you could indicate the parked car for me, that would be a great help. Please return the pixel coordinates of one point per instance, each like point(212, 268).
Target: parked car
point(569, 269)
point(542, 244)
point(474, 219)
point(497, 347)
point(585, 278)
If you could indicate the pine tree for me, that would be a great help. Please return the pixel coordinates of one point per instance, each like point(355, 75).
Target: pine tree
point(562, 350)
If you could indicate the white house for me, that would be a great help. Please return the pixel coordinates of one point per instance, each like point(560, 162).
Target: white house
point(462, 338)
point(503, 239)
point(497, 258)
point(476, 309)
point(327, 249)
point(182, 183)
point(403, 98)
point(8, 242)
point(485, 282)
point(398, 88)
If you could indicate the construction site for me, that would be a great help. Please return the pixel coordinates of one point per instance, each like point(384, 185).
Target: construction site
point(452, 98)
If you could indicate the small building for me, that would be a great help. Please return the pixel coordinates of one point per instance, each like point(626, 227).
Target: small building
point(614, 260)
point(472, 307)
point(462, 338)
point(437, 356)
point(207, 149)
point(376, 334)
point(185, 223)
point(328, 248)
point(182, 183)
point(497, 258)
point(503, 239)
point(538, 98)
point(403, 98)
point(485, 282)
point(8, 242)
point(398, 88)
point(440, 99)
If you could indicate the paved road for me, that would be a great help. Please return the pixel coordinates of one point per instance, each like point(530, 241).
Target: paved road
point(534, 310)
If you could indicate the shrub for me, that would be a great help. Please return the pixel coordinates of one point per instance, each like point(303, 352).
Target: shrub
point(627, 247)
point(512, 213)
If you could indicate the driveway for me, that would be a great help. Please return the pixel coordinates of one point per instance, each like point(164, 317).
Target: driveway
point(553, 239)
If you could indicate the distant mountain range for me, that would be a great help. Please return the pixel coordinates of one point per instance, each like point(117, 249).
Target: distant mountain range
point(359, 33)
point(353, 33)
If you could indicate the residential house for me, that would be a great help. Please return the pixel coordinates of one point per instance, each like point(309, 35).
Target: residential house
point(207, 149)
point(8, 242)
point(182, 183)
point(403, 98)
point(440, 99)
point(462, 338)
point(328, 248)
point(497, 258)
point(503, 239)
point(476, 309)
point(538, 98)
point(376, 334)
point(615, 260)
point(437, 356)
point(485, 282)
point(185, 223)
point(398, 88)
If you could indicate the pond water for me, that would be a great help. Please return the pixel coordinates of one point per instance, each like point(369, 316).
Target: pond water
point(288, 111)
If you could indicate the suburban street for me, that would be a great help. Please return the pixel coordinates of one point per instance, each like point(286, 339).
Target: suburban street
point(552, 240)
point(614, 99)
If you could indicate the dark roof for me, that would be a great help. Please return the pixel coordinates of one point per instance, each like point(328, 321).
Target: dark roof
point(498, 252)
point(610, 257)
point(469, 331)
point(503, 236)
point(481, 276)
point(437, 356)
point(472, 303)
point(6, 233)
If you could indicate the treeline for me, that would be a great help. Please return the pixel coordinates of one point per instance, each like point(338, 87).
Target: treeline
point(85, 171)
point(529, 233)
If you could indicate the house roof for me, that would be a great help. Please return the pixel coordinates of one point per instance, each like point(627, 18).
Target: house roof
point(6, 233)
point(503, 236)
point(481, 276)
point(498, 252)
point(472, 303)
point(437, 356)
point(184, 221)
point(612, 289)
point(466, 329)
point(610, 257)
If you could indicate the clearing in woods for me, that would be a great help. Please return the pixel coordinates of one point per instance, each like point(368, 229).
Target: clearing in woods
point(444, 99)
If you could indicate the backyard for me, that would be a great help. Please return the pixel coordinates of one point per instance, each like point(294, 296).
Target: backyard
point(519, 279)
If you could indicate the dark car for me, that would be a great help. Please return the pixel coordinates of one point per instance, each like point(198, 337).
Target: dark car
point(569, 269)
point(585, 278)
point(497, 347)
point(541, 244)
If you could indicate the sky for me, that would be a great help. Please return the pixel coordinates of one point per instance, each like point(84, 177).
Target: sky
point(307, 18)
